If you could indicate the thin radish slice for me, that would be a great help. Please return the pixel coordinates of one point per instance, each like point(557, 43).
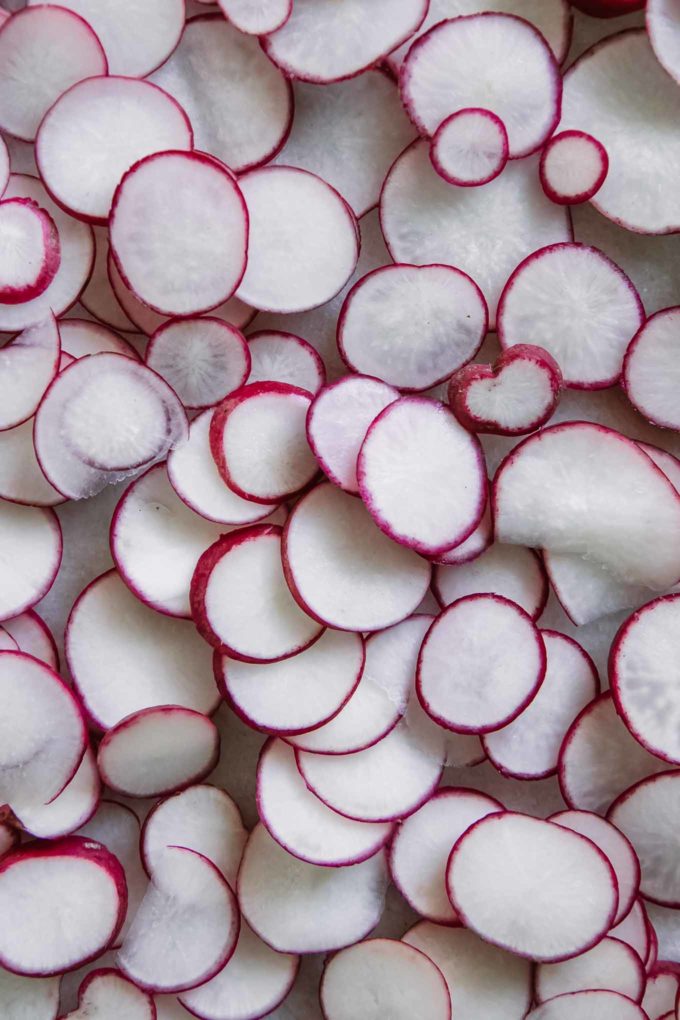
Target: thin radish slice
point(283, 357)
point(647, 815)
point(470, 147)
point(573, 167)
point(203, 359)
point(473, 547)
point(663, 983)
point(4, 165)
point(257, 17)
point(427, 220)
point(636, 929)
point(296, 694)
point(612, 966)
point(28, 364)
point(259, 442)
point(80, 338)
point(663, 28)
point(73, 807)
point(587, 591)
point(511, 571)
point(21, 478)
point(186, 927)
point(98, 297)
point(649, 368)
point(304, 241)
point(412, 326)
point(96, 131)
point(297, 907)
point(72, 892)
point(29, 998)
point(30, 553)
point(34, 637)
point(124, 657)
point(421, 846)
point(367, 583)
point(589, 1005)
point(30, 250)
point(106, 993)
point(44, 50)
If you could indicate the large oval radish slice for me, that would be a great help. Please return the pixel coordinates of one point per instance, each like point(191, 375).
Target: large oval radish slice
point(257, 17)
point(611, 965)
point(27, 366)
point(507, 570)
point(203, 359)
point(276, 356)
point(470, 147)
point(29, 998)
point(30, 553)
point(589, 1005)
point(107, 992)
point(650, 370)
point(573, 167)
point(73, 807)
point(30, 253)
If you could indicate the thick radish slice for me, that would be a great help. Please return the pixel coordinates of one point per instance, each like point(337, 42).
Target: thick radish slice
point(80, 338)
point(276, 356)
point(257, 17)
point(473, 547)
point(34, 637)
point(589, 1005)
point(28, 364)
point(30, 250)
point(573, 167)
point(203, 359)
point(297, 907)
point(649, 368)
point(470, 147)
point(98, 297)
point(647, 814)
point(22, 480)
point(30, 553)
point(106, 992)
point(412, 326)
point(73, 807)
point(508, 570)
point(29, 998)
point(663, 982)
point(612, 965)
point(663, 27)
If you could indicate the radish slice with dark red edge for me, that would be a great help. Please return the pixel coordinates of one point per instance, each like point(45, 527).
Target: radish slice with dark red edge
point(44, 50)
point(589, 1005)
point(304, 240)
point(427, 220)
point(29, 242)
point(73, 807)
point(636, 930)
point(30, 552)
point(80, 338)
point(103, 417)
point(573, 167)
point(482, 980)
point(72, 892)
point(473, 547)
point(257, 17)
point(412, 326)
point(98, 297)
point(106, 992)
point(649, 369)
point(283, 357)
point(4, 165)
point(186, 927)
point(513, 860)
point(34, 637)
point(125, 657)
point(368, 582)
point(320, 43)
point(297, 907)
point(663, 28)
point(21, 478)
point(611, 965)
point(515, 395)
point(607, 8)
point(96, 131)
point(259, 442)
point(663, 983)
point(421, 846)
point(382, 977)
point(28, 364)
point(422, 476)
point(470, 147)
point(29, 998)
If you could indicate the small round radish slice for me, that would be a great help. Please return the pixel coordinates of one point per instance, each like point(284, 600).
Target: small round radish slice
point(421, 846)
point(73, 807)
point(416, 455)
point(80, 338)
point(380, 978)
point(72, 892)
point(304, 240)
point(470, 148)
point(612, 965)
point(107, 992)
point(21, 477)
point(412, 326)
point(513, 860)
point(511, 571)
point(29, 998)
point(186, 927)
point(650, 369)
point(589, 1005)
point(98, 296)
point(34, 637)
point(283, 357)
point(27, 366)
point(258, 440)
point(29, 250)
point(663, 26)
point(257, 17)
point(573, 167)
point(297, 907)
point(30, 551)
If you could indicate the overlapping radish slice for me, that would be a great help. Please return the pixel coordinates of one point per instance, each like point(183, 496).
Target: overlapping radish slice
point(647, 814)
point(573, 167)
point(283, 357)
point(663, 982)
point(29, 250)
point(81, 337)
point(589, 1005)
point(29, 998)
point(473, 547)
point(611, 965)
point(9, 837)
point(30, 552)
point(257, 17)
point(587, 591)
point(607, 8)
point(34, 637)
point(636, 929)
point(70, 809)
point(21, 478)
point(470, 147)
point(297, 907)
point(125, 657)
point(107, 992)
point(27, 366)
point(663, 28)
point(649, 368)
point(4, 165)
point(7, 642)
point(203, 359)
point(98, 296)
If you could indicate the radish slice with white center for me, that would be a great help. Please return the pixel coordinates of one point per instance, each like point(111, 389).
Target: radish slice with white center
point(203, 359)
point(27, 366)
point(663, 28)
point(257, 17)
point(573, 167)
point(80, 338)
point(470, 147)
point(73, 807)
point(186, 927)
point(34, 637)
point(507, 570)
point(98, 297)
point(649, 369)
point(125, 657)
point(29, 998)
point(422, 476)
point(558, 891)
point(663, 983)
point(304, 241)
point(96, 131)
point(383, 978)
point(589, 1005)
point(612, 965)
point(283, 357)
point(21, 478)
point(30, 251)
point(421, 846)
point(473, 547)
point(30, 554)
point(106, 993)
point(412, 326)
point(297, 907)
point(367, 583)
point(647, 814)
point(72, 892)
point(43, 52)
point(259, 442)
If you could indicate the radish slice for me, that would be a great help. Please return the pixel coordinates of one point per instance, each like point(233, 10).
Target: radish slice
point(663, 28)
point(473, 547)
point(470, 147)
point(7, 643)
point(43, 52)
point(380, 978)
point(96, 131)
point(4, 165)
point(367, 583)
point(647, 814)
point(98, 297)
point(80, 338)
point(257, 17)
point(421, 846)
point(573, 167)
point(124, 657)
point(296, 694)
point(107, 992)
point(283, 357)
point(30, 553)
point(612, 965)
point(661, 992)
point(27, 366)
point(297, 907)
point(577, 304)
point(34, 637)
point(29, 998)
point(186, 927)
point(636, 929)
point(30, 253)
point(73, 807)
point(203, 359)
point(649, 369)
point(21, 477)
point(512, 859)
point(589, 1005)
point(507, 570)
point(72, 892)
point(412, 326)
point(587, 591)
point(320, 43)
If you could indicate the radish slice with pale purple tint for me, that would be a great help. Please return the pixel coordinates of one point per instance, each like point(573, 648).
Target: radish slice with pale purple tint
point(473, 547)
point(30, 553)
point(28, 364)
point(589, 1005)
point(507, 570)
point(21, 478)
point(125, 657)
point(650, 371)
point(107, 992)
point(647, 815)
point(29, 242)
point(297, 907)
point(29, 998)
point(98, 297)
point(4, 165)
point(80, 338)
point(73, 807)
point(283, 357)
point(257, 17)
point(304, 240)
point(470, 147)
point(421, 846)
point(663, 28)
point(412, 326)
point(612, 965)
point(34, 637)
point(203, 359)
point(573, 167)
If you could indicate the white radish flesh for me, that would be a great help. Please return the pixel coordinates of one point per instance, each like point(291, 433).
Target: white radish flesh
point(470, 147)
point(589, 1005)
point(30, 250)
point(80, 337)
point(21, 477)
point(507, 570)
point(30, 553)
point(649, 369)
point(98, 296)
point(573, 167)
point(612, 966)
point(663, 29)
point(282, 357)
point(661, 992)
point(34, 637)
point(106, 992)
point(70, 809)
point(473, 547)
point(27, 366)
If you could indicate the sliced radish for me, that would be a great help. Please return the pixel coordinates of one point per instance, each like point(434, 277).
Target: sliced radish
point(647, 814)
point(30, 553)
point(573, 167)
point(4, 165)
point(473, 547)
point(27, 366)
point(34, 637)
point(29, 998)
point(412, 326)
point(283, 357)
point(636, 930)
point(649, 369)
point(589, 1005)
point(30, 250)
point(297, 907)
point(9, 838)
point(470, 147)
point(203, 359)
point(612, 965)
point(80, 338)
point(257, 17)
point(587, 591)
point(663, 29)
point(661, 992)
point(21, 478)
point(70, 809)
point(105, 993)
point(98, 296)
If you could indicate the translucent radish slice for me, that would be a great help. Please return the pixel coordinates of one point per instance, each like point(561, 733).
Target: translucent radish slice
point(510, 571)
point(43, 52)
point(203, 359)
point(320, 43)
point(125, 657)
point(297, 907)
point(30, 553)
point(21, 477)
point(573, 167)
point(73, 807)
point(304, 241)
point(98, 297)
point(421, 846)
point(427, 220)
point(107, 992)
point(470, 147)
point(412, 326)
point(368, 582)
point(34, 637)
point(612, 965)
point(30, 251)
point(663, 27)
point(473, 547)
point(186, 927)
point(579, 306)
point(29, 998)
point(27, 366)
point(80, 338)
point(589, 1005)
point(649, 368)
point(635, 928)
point(647, 814)
point(283, 357)
point(257, 17)
point(96, 131)
point(661, 992)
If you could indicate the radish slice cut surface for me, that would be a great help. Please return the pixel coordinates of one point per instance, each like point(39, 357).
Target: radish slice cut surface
point(29, 250)
point(21, 477)
point(98, 297)
point(650, 369)
point(107, 992)
point(73, 807)
point(573, 167)
point(663, 27)
point(29, 998)
point(7, 643)
point(34, 637)
point(647, 814)
point(30, 553)
point(203, 359)
point(286, 358)
point(257, 17)
point(589, 1005)
point(587, 591)
point(507, 570)
point(612, 965)
point(636, 929)
point(470, 147)
point(80, 337)
point(27, 366)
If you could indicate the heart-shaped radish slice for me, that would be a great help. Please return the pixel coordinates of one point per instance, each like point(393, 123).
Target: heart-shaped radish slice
point(508, 570)
point(106, 993)
point(589, 1005)
point(30, 250)
point(573, 167)
point(28, 364)
point(611, 965)
point(29, 998)
point(470, 147)
point(276, 356)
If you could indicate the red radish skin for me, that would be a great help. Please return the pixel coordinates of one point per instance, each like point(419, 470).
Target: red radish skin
point(573, 167)
point(35, 233)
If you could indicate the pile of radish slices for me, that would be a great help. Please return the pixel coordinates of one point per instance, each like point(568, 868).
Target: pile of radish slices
point(340, 510)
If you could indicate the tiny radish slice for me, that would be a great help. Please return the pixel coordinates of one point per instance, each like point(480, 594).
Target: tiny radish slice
point(589, 1005)
point(283, 357)
point(31, 553)
point(510, 571)
point(650, 368)
point(106, 993)
point(28, 364)
point(470, 147)
point(203, 359)
point(612, 966)
point(31, 253)
point(573, 167)
point(257, 17)
point(26, 998)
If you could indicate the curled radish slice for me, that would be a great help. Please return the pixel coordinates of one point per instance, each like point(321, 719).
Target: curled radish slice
point(412, 326)
point(21, 477)
point(470, 147)
point(34, 637)
point(516, 857)
point(73, 807)
point(257, 17)
point(473, 547)
point(29, 254)
point(283, 357)
point(647, 814)
point(98, 296)
point(507, 570)
point(649, 368)
point(27, 366)
point(107, 992)
point(589, 1005)
point(80, 338)
point(29, 998)
point(30, 552)
point(612, 965)
point(203, 359)
point(421, 846)
point(573, 167)
point(663, 27)
point(297, 907)
point(304, 241)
